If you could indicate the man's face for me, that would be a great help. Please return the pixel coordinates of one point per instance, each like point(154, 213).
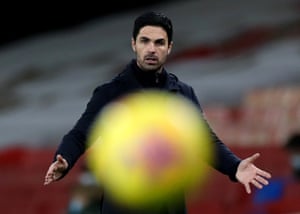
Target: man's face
point(151, 48)
point(295, 162)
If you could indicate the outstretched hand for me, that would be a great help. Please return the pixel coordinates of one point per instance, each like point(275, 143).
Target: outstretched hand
point(247, 173)
point(56, 170)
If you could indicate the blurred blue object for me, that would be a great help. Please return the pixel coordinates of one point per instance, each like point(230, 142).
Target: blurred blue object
point(272, 192)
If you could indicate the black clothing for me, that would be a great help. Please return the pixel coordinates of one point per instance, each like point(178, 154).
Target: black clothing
point(132, 79)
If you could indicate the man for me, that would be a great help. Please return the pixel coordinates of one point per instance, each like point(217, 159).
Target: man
point(152, 43)
point(293, 148)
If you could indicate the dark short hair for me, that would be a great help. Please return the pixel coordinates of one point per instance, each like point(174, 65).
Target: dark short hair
point(153, 19)
point(293, 142)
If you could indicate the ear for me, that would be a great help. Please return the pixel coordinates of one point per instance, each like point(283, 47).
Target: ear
point(170, 48)
point(133, 45)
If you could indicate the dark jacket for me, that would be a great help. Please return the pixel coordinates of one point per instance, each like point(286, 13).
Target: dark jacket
point(129, 80)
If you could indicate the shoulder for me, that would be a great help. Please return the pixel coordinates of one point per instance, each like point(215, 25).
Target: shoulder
point(106, 89)
point(183, 86)
point(116, 87)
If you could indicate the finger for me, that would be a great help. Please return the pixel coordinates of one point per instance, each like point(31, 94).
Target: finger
point(261, 180)
point(61, 160)
point(253, 157)
point(247, 187)
point(256, 184)
point(50, 173)
point(48, 179)
point(264, 173)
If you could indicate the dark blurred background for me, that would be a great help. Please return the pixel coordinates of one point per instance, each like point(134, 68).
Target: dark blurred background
point(21, 20)
point(241, 57)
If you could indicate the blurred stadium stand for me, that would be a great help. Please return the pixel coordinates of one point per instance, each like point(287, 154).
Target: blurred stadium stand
point(21, 182)
point(265, 117)
point(23, 170)
point(265, 112)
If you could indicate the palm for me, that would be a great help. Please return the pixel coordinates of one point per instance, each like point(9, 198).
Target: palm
point(56, 170)
point(247, 173)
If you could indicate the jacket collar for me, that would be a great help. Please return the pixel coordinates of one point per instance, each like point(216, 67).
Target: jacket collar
point(128, 77)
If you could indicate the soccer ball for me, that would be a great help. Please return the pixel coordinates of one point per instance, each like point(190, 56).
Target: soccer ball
point(147, 146)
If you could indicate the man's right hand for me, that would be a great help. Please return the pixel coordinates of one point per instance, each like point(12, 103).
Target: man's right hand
point(56, 170)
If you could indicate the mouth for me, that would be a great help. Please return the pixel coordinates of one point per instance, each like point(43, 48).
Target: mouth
point(151, 60)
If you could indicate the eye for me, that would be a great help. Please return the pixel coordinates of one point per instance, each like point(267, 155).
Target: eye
point(144, 40)
point(160, 42)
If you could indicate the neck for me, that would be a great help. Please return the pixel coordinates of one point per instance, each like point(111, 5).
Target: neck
point(154, 78)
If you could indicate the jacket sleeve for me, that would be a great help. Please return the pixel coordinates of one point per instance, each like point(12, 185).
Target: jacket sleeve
point(73, 144)
point(225, 161)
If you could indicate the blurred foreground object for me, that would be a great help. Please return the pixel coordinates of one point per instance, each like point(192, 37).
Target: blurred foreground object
point(143, 154)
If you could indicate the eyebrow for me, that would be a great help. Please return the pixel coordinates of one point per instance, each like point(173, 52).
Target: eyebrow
point(157, 40)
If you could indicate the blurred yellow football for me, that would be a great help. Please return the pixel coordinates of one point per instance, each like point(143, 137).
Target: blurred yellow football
point(147, 146)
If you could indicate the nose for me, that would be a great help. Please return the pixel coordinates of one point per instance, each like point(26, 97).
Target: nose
point(151, 47)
